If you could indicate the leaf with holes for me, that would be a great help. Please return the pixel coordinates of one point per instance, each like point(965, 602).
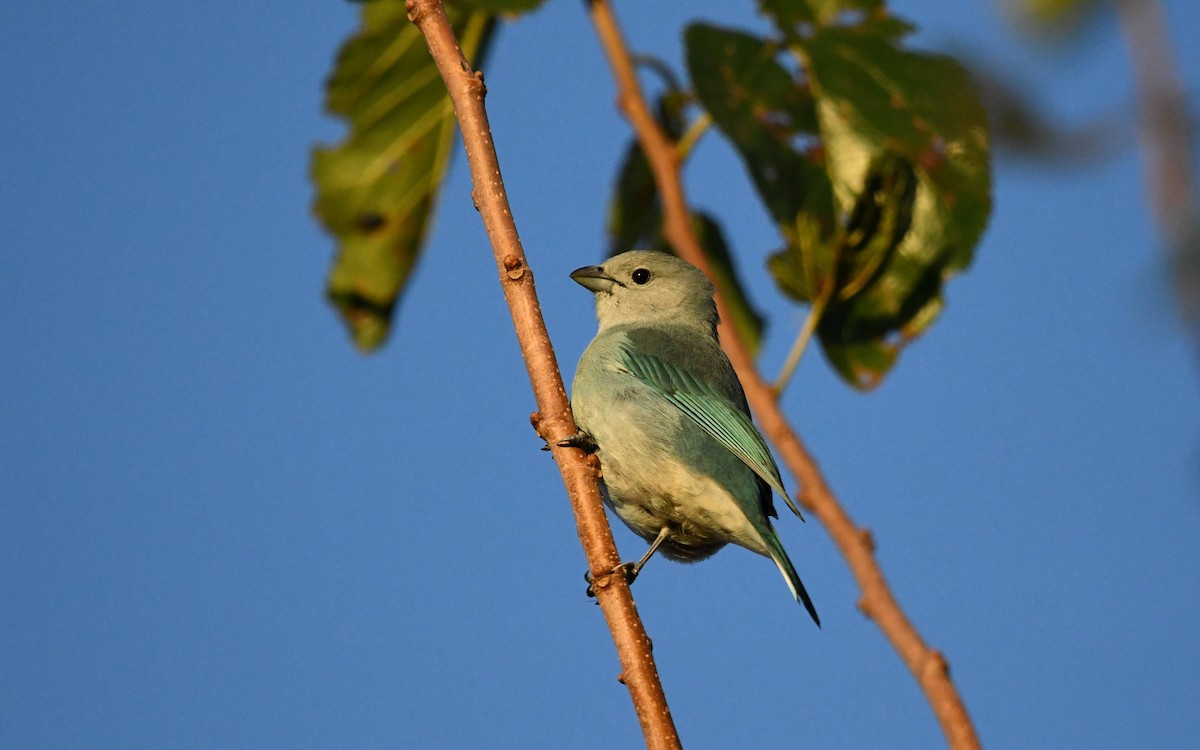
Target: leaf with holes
point(760, 108)
point(874, 97)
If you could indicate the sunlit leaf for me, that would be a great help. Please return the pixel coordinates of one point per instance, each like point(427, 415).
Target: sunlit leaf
point(758, 105)
point(871, 159)
point(878, 223)
point(804, 269)
point(376, 189)
point(874, 97)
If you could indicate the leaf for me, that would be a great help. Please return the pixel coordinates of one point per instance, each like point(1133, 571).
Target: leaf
point(880, 219)
point(498, 7)
point(377, 188)
point(756, 103)
point(872, 160)
point(1055, 20)
point(804, 268)
point(830, 276)
point(789, 13)
point(873, 97)
point(746, 319)
point(635, 222)
point(635, 212)
point(771, 121)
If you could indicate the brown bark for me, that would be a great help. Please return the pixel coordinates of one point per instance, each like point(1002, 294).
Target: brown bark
point(927, 665)
point(553, 419)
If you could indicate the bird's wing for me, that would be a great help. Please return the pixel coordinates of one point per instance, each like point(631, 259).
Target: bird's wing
point(715, 414)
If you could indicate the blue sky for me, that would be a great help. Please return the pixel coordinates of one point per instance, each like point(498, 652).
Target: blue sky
point(223, 527)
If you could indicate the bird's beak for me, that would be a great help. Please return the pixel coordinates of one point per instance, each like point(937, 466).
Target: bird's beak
point(594, 278)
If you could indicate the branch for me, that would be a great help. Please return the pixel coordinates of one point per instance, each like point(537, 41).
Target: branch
point(553, 419)
point(1165, 142)
point(927, 665)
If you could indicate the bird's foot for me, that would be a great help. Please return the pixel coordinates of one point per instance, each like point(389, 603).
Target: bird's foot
point(581, 440)
point(629, 570)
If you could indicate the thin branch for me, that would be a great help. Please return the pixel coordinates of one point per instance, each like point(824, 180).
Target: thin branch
point(1166, 143)
point(553, 420)
point(927, 665)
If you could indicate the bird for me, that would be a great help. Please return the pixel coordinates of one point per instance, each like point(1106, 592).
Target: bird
point(657, 400)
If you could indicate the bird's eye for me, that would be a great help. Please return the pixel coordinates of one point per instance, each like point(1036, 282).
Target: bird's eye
point(641, 276)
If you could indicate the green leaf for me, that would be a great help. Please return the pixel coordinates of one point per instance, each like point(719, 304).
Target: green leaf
point(874, 97)
point(873, 164)
point(634, 212)
point(635, 221)
point(757, 104)
point(880, 219)
point(804, 269)
point(377, 188)
point(770, 119)
point(1061, 20)
point(745, 318)
point(815, 266)
point(790, 13)
point(498, 7)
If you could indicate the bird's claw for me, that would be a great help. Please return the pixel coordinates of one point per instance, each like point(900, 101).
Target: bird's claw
point(629, 570)
point(581, 440)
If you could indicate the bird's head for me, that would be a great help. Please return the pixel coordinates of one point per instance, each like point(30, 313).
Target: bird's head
point(642, 287)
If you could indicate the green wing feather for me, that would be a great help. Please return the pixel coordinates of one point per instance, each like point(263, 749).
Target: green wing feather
point(723, 420)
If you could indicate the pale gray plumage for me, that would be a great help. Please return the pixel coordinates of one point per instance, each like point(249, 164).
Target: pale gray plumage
point(682, 464)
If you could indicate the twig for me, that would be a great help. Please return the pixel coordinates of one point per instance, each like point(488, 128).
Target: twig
point(928, 666)
point(553, 420)
point(1166, 143)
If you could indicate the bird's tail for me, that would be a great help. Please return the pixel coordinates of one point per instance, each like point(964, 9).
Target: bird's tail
point(789, 574)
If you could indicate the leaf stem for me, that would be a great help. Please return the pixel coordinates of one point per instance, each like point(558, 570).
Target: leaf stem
point(694, 133)
point(802, 338)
